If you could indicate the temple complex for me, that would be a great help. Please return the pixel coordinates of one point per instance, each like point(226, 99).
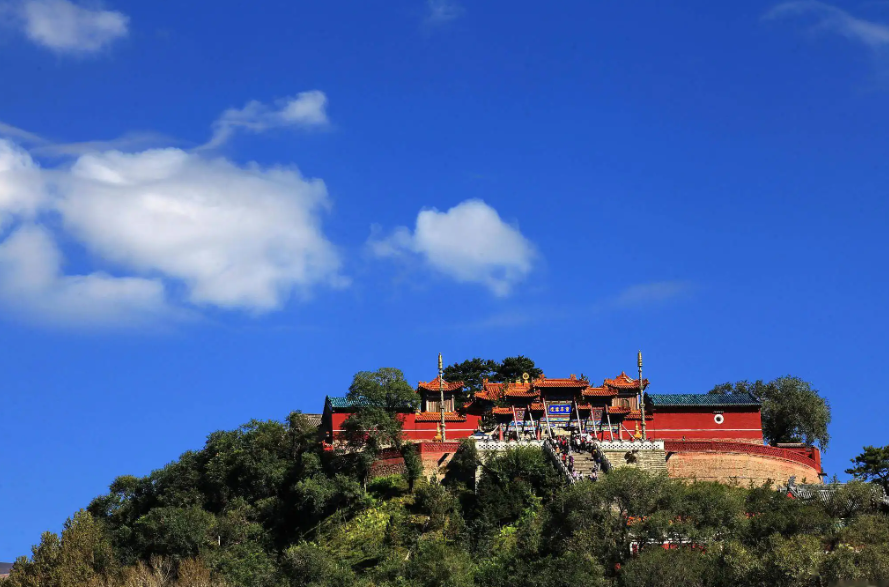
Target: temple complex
point(704, 436)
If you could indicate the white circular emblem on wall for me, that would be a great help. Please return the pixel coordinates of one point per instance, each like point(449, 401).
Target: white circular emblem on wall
point(719, 418)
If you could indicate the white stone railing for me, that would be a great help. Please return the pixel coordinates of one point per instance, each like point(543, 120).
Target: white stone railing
point(501, 445)
point(550, 451)
point(631, 445)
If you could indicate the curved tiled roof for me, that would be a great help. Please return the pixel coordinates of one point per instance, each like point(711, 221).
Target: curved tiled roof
point(618, 410)
point(572, 381)
point(502, 411)
point(709, 400)
point(599, 392)
point(433, 385)
point(637, 415)
point(624, 381)
point(519, 390)
point(490, 391)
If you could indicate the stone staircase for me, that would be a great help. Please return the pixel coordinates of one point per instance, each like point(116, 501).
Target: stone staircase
point(648, 456)
point(583, 463)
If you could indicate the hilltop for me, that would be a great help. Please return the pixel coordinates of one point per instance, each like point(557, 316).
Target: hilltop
point(265, 506)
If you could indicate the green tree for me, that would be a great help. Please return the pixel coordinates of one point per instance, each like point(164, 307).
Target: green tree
point(793, 562)
point(656, 567)
point(246, 564)
point(440, 563)
point(82, 556)
point(511, 482)
point(872, 465)
point(463, 465)
point(792, 410)
point(471, 373)
point(377, 397)
point(413, 465)
point(385, 389)
point(177, 533)
point(308, 565)
point(512, 368)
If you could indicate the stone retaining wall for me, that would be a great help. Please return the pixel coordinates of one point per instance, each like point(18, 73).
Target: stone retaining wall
point(738, 467)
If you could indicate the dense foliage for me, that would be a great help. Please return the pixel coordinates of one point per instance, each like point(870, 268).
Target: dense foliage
point(792, 410)
point(473, 371)
point(262, 506)
point(266, 506)
point(872, 465)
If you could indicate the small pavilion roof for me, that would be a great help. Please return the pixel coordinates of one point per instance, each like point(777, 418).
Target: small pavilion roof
point(519, 390)
point(434, 385)
point(490, 391)
point(624, 381)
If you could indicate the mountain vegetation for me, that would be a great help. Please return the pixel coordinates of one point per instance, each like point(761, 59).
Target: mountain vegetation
point(266, 506)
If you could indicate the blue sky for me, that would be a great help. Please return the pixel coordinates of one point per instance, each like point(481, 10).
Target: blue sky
point(208, 216)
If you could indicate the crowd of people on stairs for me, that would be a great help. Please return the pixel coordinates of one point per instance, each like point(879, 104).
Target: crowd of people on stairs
point(579, 446)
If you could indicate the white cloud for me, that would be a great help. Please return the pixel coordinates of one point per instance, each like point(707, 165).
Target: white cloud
point(830, 18)
point(184, 228)
point(22, 188)
point(237, 237)
point(469, 243)
point(307, 109)
point(439, 12)
point(32, 286)
point(65, 27)
point(228, 236)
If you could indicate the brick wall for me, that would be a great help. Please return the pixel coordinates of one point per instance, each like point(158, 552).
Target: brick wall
point(434, 455)
point(743, 468)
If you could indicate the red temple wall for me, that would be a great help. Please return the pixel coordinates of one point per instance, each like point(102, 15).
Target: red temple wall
point(673, 424)
point(414, 430)
point(699, 424)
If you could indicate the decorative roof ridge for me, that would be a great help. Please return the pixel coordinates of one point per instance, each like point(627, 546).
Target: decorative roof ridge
point(434, 384)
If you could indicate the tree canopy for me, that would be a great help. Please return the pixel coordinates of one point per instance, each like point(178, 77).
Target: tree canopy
point(385, 388)
point(473, 371)
point(792, 410)
point(265, 506)
point(872, 465)
point(377, 396)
